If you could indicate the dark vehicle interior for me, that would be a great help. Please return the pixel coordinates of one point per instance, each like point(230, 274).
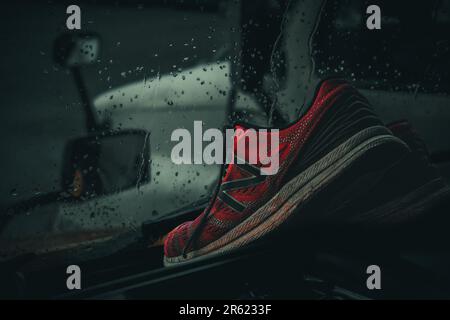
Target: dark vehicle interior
point(403, 70)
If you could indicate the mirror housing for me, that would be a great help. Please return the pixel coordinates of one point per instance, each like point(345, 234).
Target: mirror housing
point(101, 164)
point(76, 49)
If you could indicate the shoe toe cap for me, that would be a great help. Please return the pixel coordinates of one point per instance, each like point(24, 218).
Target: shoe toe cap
point(176, 240)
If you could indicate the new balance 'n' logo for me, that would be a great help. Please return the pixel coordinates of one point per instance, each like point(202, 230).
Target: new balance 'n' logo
point(254, 179)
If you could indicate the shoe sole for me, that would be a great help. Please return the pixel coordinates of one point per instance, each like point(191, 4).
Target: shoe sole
point(299, 191)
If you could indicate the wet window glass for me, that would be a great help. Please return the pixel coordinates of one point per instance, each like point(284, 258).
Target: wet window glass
point(86, 147)
point(89, 116)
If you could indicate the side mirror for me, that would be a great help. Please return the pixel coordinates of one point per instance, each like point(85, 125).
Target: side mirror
point(76, 49)
point(106, 163)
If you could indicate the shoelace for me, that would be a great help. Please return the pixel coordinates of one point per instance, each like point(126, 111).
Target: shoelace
point(195, 234)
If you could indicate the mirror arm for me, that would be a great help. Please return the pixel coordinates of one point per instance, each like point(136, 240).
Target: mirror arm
point(91, 124)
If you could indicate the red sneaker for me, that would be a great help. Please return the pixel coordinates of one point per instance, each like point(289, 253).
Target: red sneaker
point(337, 141)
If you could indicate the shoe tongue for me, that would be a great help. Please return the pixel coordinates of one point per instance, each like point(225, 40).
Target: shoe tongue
point(253, 145)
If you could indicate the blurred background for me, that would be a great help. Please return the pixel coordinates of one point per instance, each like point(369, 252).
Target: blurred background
point(40, 105)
